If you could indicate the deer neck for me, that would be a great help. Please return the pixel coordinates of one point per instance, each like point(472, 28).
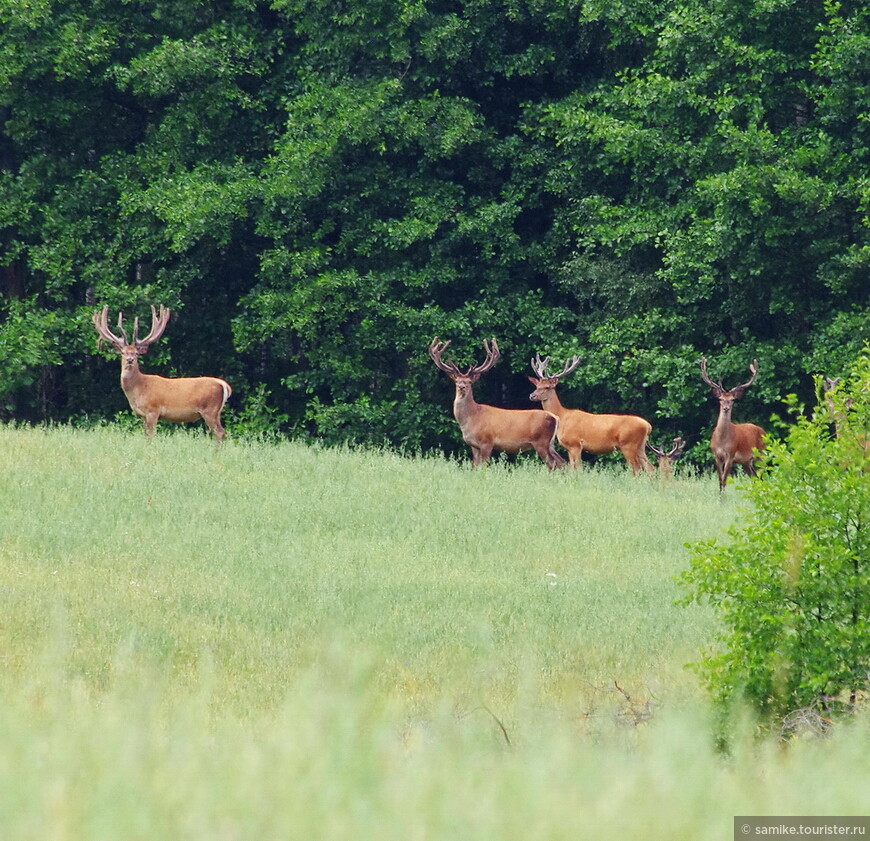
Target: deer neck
point(551, 403)
point(724, 430)
point(464, 406)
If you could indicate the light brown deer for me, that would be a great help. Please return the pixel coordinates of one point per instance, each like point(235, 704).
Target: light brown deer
point(665, 460)
point(152, 397)
point(487, 428)
point(733, 443)
point(581, 431)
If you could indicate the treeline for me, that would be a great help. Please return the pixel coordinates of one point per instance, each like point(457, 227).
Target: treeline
point(317, 188)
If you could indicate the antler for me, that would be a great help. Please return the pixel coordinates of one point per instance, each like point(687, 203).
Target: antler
point(675, 452)
point(754, 370)
point(101, 322)
point(717, 387)
point(738, 390)
point(539, 366)
point(437, 348)
point(677, 449)
point(158, 325)
point(493, 354)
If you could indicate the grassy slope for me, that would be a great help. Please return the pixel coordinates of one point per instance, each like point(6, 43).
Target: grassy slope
point(261, 641)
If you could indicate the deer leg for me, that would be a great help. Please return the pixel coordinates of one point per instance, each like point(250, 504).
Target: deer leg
point(633, 460)
point(151, 423)
point(480, 455)
point(556, 459)
point(214, 424)
point(219, 432)
point(724, 470)
point(549, 455)
point(642, 463)
point(575, 457)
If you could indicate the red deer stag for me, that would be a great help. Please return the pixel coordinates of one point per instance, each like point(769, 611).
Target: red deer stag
point(733, 443)
point(153, 397)
point(665, 460)
point(579, 430)
point(487, 428)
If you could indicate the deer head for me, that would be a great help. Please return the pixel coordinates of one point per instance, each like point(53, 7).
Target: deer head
point(130, 350)
point(545, 381)
point(464, 380)
point(666, 459)
point(725, 396)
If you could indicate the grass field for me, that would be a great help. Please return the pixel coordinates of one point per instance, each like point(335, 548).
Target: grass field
point(279, 641)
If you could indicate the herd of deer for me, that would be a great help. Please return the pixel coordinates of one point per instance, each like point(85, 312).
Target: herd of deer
point(484, 428)
point(487, 428)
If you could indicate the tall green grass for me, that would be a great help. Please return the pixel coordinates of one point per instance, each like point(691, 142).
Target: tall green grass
point(281, 641)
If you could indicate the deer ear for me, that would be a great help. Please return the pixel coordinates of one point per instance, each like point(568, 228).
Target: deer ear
point(141, 348)
point(533, 381)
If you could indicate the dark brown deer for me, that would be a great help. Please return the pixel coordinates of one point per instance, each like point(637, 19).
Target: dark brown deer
point(579, 430)
point(487, 428)
point(665, 460)
point(733, 443)
point(152, 397)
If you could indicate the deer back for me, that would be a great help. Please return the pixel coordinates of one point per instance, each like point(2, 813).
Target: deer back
point(602, 433)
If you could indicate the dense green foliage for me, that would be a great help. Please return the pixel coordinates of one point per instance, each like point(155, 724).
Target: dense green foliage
point(316, 189)
point(792, 585)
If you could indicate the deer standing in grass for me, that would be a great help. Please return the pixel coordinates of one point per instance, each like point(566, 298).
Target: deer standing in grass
point(487, 428)
point(665, 460)
point(152, 397)
point(733, 443)
point(579, 430)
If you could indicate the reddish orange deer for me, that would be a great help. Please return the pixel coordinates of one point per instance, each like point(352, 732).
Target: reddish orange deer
point(152, 397)
point(487, 428)
point(733, 443)
point(579, 430)
point(665, 460)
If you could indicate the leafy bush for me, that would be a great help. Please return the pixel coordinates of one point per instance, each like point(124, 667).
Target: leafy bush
point(792, 585)
point(258, 418)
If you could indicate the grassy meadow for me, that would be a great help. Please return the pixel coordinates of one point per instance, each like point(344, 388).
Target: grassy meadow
point(262, 641)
